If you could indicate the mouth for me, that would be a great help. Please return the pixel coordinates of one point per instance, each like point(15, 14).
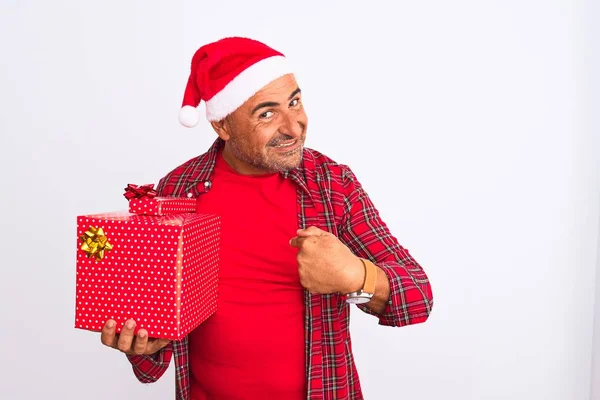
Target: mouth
point(287, 146)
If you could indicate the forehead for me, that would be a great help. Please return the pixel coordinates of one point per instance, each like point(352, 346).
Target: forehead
point(281, 87)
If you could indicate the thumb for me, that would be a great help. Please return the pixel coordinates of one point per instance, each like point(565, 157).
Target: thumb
point(295, 242)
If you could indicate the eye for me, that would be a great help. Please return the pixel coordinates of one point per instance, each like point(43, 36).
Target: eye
point(294, 102)
point(266, 114)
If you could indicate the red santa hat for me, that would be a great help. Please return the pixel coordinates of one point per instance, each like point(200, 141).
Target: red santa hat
point(225, 74)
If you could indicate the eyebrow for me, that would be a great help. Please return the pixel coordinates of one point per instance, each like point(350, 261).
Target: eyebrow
point(295, 92)
point(273, 103)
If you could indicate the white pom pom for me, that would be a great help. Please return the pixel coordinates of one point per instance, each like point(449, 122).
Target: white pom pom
point(189, 116)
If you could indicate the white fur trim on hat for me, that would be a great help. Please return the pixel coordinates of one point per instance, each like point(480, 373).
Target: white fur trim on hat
point(245, 85)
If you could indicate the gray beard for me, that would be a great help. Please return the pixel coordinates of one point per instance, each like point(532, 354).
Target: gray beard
point(267, 166)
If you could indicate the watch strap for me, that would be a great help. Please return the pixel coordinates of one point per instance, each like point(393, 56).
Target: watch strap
point(370, 276)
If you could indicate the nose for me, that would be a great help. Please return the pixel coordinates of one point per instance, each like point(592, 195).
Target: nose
point(291, 126)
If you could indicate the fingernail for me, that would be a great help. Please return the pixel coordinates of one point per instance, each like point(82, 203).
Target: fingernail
point(129, 324)
point(110, 324)
point(142, 335)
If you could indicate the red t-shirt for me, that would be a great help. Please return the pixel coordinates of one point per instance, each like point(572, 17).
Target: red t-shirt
point(253, 346)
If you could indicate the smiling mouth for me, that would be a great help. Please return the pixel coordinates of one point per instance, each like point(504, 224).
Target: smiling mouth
point(287, 144)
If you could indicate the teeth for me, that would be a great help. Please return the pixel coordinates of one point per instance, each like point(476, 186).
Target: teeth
point(286, 145)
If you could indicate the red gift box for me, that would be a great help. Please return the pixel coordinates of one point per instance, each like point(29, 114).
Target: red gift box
point(161, 271)
point(143, 200)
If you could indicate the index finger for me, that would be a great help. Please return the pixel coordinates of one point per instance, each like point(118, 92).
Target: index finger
point(311, 231)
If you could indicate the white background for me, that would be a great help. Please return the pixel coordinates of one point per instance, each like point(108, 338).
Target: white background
point(470, 123)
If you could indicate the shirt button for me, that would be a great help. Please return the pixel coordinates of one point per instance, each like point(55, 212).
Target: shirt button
point(190, 195)
point(207, 185)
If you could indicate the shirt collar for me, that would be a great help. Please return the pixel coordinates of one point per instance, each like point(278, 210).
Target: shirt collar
point(203, 171)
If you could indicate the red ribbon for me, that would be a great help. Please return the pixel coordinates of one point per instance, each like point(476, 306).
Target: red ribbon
point(137, 192)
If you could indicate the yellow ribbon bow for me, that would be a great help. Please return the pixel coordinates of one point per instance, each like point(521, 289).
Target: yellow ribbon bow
point(95, 243)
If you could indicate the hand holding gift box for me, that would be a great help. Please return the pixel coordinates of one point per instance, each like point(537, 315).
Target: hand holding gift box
point(159, 269)
point(128, 341)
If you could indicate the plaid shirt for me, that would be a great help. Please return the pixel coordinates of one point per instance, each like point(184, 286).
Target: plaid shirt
point(331, 198)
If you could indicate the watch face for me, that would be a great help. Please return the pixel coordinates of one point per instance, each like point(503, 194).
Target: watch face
point(358, 300)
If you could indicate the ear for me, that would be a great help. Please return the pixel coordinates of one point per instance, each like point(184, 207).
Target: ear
point(222, 128)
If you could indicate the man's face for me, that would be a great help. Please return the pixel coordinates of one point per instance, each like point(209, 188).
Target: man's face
point(267, 133)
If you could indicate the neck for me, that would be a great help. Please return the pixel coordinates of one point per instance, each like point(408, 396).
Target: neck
point(239, 166)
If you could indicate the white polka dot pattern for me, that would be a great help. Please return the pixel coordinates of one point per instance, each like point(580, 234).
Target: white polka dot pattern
point(200, 247)
point(162, 272)
point(162, 206)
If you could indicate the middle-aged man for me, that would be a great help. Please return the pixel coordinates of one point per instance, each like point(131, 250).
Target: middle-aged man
point(301, 241)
